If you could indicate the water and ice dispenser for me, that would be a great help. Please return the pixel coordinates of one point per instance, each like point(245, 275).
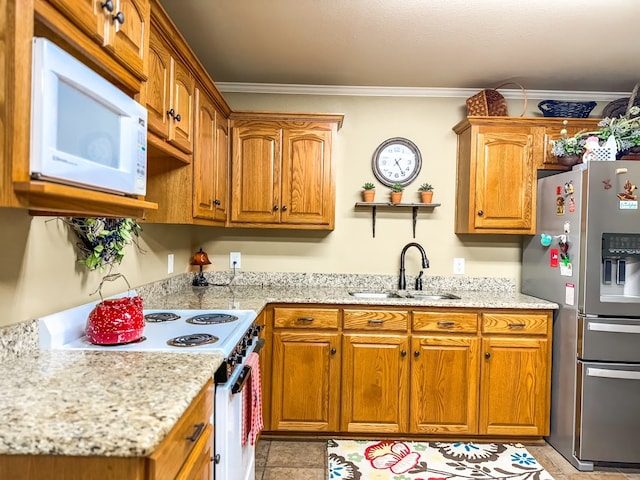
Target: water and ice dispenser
point(620, 264)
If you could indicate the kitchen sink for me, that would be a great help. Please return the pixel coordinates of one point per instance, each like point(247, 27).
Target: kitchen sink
point(432, 296)
point(375, 294)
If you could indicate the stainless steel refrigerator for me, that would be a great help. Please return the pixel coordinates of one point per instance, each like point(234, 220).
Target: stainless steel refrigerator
point(585, 256)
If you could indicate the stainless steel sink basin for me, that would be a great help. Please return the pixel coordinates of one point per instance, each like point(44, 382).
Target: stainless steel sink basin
point(432, 296)
point(374, 294)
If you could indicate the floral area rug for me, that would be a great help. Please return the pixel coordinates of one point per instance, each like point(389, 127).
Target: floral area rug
point(397, 460)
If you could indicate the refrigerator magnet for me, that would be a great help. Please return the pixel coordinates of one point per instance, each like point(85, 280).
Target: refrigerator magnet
point(569, 293)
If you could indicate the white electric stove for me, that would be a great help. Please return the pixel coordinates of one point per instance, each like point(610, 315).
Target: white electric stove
point(231, 333)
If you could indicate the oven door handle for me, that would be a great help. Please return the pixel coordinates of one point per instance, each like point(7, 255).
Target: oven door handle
point(245, 374)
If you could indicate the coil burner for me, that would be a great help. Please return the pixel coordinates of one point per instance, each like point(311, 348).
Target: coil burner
point(212, 319)
point(161, 317)
point(192, 340)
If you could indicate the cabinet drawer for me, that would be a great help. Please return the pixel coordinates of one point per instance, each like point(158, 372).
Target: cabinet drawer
point(175, 449)
point(455, 322)
point(375, 320)
point(305, 317)
point(515, 323)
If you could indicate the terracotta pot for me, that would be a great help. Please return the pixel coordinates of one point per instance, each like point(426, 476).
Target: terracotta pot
point(368, 195)
point(396, 197)
point(426, 197)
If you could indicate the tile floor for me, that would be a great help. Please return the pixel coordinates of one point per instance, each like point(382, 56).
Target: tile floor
point(274, 460)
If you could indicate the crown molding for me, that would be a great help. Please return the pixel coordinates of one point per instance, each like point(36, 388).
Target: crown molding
point(434, 92)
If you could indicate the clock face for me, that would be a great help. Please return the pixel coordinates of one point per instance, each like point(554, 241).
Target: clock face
point(396, 160)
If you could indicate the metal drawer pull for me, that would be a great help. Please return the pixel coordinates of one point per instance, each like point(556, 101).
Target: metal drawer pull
point(198, 430)
point(376, 321)
point(621, 374)
point(613, 327)
point(305, 319)
point(517, 325)
point(446, 324)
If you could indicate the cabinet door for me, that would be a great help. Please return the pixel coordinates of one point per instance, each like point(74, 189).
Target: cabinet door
point(181, 107)
point(88, 15)
point(204, 158)
point(307, 180)
point(444, 385)
point(514, 394)
point(505, 179)
point(158, 86)
point(221, 179)
point(127, 39)
point(552, 132)
point(375, 383)
point(305, 381)
point(255, 190)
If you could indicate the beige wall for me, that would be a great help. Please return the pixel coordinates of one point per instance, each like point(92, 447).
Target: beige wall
point(38, 274)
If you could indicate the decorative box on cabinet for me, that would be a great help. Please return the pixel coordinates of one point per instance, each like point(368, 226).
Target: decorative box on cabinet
point(305, 369)
point(282, 170)
point(496, 180)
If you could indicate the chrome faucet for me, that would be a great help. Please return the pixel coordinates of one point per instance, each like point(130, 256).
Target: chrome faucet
point(402, 283)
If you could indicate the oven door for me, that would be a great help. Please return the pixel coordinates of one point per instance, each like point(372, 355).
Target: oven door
point(234, 451)
point(608, 428)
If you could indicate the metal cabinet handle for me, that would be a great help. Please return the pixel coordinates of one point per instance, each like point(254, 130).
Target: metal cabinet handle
point(480, 213)
point(305, 319)
point(517, 325)
point(487, 355)
point(416, 353)
point(178, 118)
point(403, 353)
point(216, 458)
point(216, 202)
point(171, 113)
point(284, 208)
point(446, 324)
point(108, 6)
point(196, 433)
point(375, 321)
point(118, 17)
point(333, 351)
point(275, 208)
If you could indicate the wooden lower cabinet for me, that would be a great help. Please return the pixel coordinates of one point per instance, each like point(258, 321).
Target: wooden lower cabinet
point(375, 383)
point(444, 385)
point(442, 372)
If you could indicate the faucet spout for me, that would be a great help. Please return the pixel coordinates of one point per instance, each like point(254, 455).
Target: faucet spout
point(402, 281)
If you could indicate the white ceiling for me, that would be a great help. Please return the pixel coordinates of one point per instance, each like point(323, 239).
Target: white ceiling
point(556, 45)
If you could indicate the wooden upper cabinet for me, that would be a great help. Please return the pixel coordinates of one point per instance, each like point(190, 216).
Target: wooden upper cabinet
point(210, 161)
point(496, 178)
point(282, 171)
point(553, 129)
point(170, 97)
point(121, 26)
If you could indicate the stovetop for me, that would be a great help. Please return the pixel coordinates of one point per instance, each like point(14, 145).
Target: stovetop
point(65, 330)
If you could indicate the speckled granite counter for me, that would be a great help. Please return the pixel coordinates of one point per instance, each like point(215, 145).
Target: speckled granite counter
point(96, 403)
point(248, 297)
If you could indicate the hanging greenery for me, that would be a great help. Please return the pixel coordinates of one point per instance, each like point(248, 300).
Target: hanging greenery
point(102, 241)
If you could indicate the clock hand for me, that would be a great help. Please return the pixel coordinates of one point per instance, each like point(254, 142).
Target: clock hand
point(398, 164)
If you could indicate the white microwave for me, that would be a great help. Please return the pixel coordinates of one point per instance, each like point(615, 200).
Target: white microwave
point(84, 130)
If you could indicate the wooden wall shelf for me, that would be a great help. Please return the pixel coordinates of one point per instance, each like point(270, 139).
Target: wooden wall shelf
point(403, 206)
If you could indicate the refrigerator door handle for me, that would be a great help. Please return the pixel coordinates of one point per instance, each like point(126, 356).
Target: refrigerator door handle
point(620, 374)
point(613, 327)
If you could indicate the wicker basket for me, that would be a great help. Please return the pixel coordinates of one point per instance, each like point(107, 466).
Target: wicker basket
point(490, 103)
point(557, 108)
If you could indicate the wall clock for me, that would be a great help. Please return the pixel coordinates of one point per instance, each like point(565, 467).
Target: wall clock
point(396, 160)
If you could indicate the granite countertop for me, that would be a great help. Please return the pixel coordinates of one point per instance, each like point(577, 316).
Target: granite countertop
point(256, 297)
point(74, 402)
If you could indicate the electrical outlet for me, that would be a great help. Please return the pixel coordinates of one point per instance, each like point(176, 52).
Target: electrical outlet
point(234, 257)
point(170, 263)
point(458, 266)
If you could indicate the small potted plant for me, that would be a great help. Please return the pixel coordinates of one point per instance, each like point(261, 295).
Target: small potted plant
point(426, 192)
point(368, 192)
point(396, 192)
